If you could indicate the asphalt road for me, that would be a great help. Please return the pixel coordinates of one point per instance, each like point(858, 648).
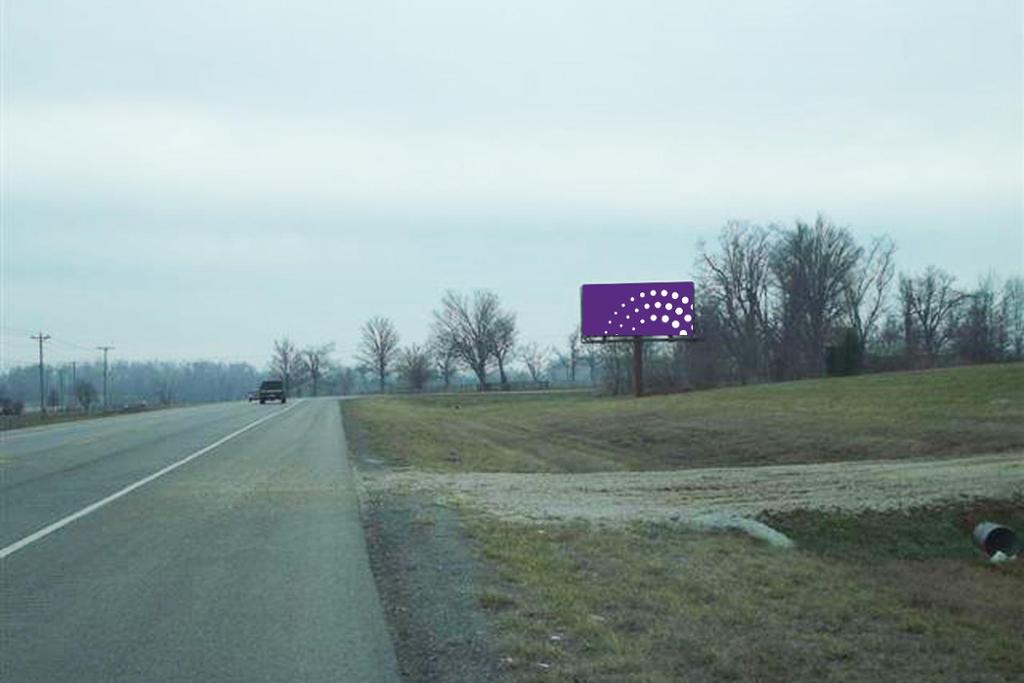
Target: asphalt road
point(246, 563)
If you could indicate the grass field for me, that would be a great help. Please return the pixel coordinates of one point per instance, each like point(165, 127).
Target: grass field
point(37, 419)
point(946, 412)
point(661, 603)
point(873, 595)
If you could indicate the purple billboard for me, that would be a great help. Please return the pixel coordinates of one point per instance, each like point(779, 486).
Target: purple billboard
point(637, 309)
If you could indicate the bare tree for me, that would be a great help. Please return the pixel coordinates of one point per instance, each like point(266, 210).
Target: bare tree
point(346, 381)
point(467, 328)
point(446, 360)
point(379, 347)
point(535, 359)
point(362, 374)
point(503, 342)
point(300, 375)
point(929, 304)
point(572, 358)
point(414, 366)
point(867, 287)
point(590, 357)
point(85, 393)
point(165, 392)
point(981, 331)
point(889, 339)
point(316, 361)
point(708, 363)
point(1012, 306)
point(559, 364)
point(735, 285)
point(616, 365)
point(284, 361)
point(811, 266)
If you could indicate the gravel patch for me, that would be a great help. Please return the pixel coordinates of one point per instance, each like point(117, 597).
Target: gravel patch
point(427, 575)
point(718, 497)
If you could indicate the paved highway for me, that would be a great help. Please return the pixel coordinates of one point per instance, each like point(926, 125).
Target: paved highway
point(246, 562)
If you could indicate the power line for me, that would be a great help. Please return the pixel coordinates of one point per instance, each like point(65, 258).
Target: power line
point(72, 345)
point(17, 332)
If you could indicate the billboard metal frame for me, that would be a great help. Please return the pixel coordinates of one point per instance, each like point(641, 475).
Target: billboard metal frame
point(630, 339)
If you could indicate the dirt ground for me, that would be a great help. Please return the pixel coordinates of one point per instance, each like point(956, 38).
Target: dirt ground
point(720, 497)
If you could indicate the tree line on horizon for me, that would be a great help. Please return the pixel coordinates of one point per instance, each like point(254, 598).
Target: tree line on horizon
point(473, 334)
point(132, 384)
point(772, 302)
point(777, 303)
point(780, 303)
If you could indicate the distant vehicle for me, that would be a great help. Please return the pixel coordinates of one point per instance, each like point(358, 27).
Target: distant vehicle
point(254, 396)
point(272, 390)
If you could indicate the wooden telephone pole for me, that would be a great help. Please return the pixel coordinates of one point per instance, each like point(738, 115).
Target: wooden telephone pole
point(106, 393)
point(42, 384)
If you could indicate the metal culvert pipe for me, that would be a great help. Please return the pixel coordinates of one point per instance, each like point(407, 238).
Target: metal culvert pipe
point(994, 538)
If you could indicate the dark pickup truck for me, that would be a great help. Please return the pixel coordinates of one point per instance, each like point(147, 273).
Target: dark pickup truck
point(272, 390)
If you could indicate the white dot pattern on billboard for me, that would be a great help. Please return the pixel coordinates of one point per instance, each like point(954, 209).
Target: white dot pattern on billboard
point(675, 312)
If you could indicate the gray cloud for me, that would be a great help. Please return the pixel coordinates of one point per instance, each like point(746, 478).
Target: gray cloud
point(159, 158)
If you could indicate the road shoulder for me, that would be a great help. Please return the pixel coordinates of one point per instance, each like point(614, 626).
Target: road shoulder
point(427, 575)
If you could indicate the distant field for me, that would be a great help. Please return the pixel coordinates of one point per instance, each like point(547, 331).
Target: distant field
point(948, 412)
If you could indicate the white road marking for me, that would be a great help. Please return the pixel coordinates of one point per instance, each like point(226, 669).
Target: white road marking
point(61, 523)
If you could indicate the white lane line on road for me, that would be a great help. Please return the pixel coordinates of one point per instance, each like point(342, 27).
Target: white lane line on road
point(61, 523)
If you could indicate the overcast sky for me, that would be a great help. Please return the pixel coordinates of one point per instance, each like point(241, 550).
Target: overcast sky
point(193, 179)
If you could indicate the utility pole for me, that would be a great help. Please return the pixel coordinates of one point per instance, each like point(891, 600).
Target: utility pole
point(106, 394)
point(42, 388)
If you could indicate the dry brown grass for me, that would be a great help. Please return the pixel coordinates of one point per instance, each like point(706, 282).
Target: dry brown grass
point(660, 603)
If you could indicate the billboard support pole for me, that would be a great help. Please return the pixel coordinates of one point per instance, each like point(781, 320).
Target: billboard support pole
point(638, 367)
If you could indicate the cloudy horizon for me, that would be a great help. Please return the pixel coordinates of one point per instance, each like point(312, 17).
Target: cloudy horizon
point(193, 181)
